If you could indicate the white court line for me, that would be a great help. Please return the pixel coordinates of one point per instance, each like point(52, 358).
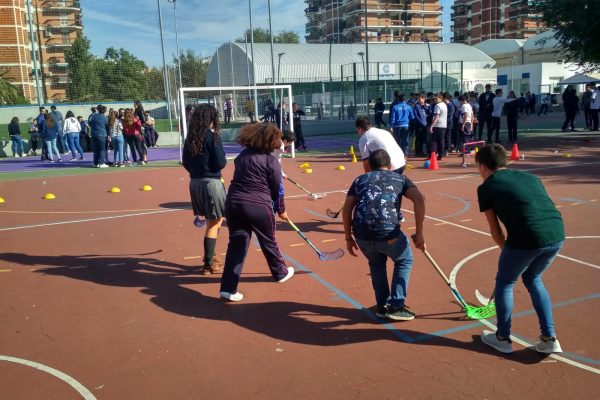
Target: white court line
point(523, 343)
point(77, 221)
point(85, 393)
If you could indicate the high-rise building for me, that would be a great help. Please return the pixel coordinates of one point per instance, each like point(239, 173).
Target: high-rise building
point(474, 21)
point(343, 21)
point(34, 35)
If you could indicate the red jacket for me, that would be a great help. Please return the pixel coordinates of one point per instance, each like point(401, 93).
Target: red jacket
point(134, 129)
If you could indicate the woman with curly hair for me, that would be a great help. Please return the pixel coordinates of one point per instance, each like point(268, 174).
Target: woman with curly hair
point(249, 206)
point(204, 158)
point(132, 129)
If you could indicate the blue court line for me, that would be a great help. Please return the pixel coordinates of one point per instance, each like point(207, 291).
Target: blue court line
point(466, 207)
point(410, 339)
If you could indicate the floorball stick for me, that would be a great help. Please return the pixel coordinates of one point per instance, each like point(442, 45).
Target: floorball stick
point(323, 255)
point(313, 195)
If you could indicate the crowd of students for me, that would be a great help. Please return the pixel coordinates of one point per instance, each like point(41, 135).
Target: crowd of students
point(55, 136)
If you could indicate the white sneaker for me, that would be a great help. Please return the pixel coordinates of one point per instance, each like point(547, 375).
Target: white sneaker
point(102, 166)
point(491, 339)
point(548, 346)
point(17, 156)
point(237, 296)
point(290, 273)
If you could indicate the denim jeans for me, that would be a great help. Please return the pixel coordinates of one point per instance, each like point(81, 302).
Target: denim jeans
point(50, 147)
point(377, 252)
point(401, 135)
point(118, 143)
point(74, 145)
point(60, 141)
point(530, 264)
point(17, 145)
point(100, 154)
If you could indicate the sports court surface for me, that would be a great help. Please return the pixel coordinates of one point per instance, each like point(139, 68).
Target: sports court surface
point(99, 296)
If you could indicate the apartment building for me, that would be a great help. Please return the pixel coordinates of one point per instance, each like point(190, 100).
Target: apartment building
point(474, 21)
point(34, 35)
point(391, 21)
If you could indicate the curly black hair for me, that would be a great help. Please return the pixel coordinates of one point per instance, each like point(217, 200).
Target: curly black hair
point(204, 120)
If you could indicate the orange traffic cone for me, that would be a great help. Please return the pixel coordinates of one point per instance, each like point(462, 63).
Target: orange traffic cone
point(433, 161)
point(515, 152)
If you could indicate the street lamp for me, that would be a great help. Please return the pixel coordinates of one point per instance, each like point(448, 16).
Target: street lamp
point(430, 63)
point(512, 74)
point(362, 55)
point(165, 72)
point(279, 65)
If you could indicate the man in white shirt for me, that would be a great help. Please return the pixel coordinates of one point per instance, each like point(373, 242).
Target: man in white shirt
point(498, 103)
point(465, 121)
point(372, 139)
point(439, 124)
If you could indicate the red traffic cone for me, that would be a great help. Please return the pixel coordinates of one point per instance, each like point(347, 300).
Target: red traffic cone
point(433, 161)
point(515, 152)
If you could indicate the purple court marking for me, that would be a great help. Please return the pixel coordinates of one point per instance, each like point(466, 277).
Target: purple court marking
point(33, 163)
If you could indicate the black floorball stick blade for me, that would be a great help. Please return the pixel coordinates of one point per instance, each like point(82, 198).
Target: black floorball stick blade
point(332, 214)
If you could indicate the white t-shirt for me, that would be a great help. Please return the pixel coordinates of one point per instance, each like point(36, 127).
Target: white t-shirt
point(466, 110)
point(595, 105)
point(442, 110)
point(277, 153)
point(379, 139)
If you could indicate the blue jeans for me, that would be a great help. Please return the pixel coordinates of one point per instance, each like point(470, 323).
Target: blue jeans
point(17, 145)
point(118, 146)
point(377, 252)
point(60, 140)
point(50, 147)
point(74, 144)
point(530, 264)
point(100, 153)
point(401, 136)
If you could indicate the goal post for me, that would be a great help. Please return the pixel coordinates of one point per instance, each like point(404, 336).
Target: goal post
point(239, 105)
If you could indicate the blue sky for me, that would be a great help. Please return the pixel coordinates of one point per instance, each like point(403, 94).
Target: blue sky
point(202, 24)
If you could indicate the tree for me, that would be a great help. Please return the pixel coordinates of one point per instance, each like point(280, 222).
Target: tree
point(193, 69)
point(122, 76)
point(84, 83)
point(576, 24)
point(9, 93)
point(261, 35)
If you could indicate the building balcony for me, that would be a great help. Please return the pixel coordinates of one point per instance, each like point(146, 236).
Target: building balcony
point(58, 6)
point(60, 80)
point(55, 63)
point(63, 26)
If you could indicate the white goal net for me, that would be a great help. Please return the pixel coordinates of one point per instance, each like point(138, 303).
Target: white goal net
point(239, 105)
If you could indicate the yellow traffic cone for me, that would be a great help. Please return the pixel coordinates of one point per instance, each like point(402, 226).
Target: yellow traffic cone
point(354, 158)
point(351, 150)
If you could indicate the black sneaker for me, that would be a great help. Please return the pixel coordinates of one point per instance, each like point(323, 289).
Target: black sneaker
point(399, 314)
point(381, 310)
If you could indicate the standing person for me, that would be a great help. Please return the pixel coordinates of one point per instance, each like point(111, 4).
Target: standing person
point(249, 207)
point(438, 125)
point(93, 111)
point(534, 235)
point(594, 107)
point(586, 102)
point(297, 115)
point(100, 131)
point(35, 138)
point(351, 111)
point(49, 135)
point(40, 122)
point(117, 139)
point(204, 158)
point(421, 111)
point(546, 104)
point(498, 103)
point(372, 214)
point(132, 128)
point(281, 115)
point(571, 105)
point(139, 113)
point(228, 109)
point(475, 106)
point(448, 143)
point(400, 118)
point(149, 131)
point(14, 131)
point(512, 116)
point(72, 129)
point(250, 109)
point(58, 117)
point(372, 139)
point(531, 103)
point(379, 110)
point(486, 106)
point(84, 134)
point(465, 122)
